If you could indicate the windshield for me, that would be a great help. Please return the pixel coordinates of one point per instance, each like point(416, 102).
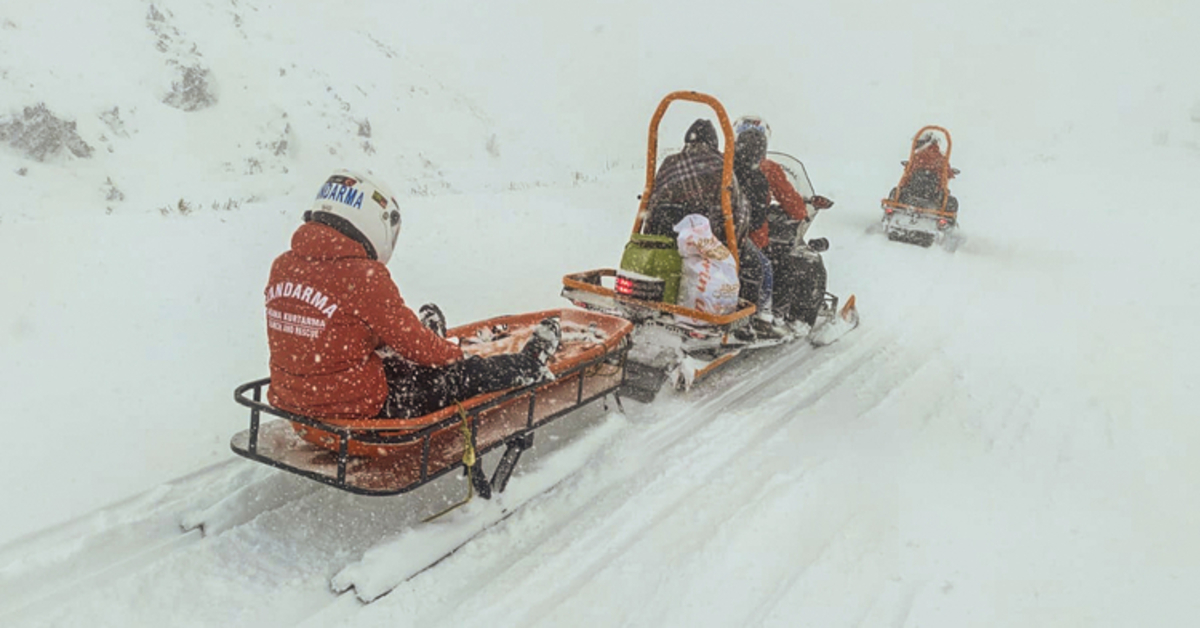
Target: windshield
point(795, 172)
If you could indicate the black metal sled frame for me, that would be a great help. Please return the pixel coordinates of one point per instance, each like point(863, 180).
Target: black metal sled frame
point(515, 443)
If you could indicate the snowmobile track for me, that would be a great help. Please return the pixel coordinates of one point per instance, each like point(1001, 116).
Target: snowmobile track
point(230, 499)
point(655, 436)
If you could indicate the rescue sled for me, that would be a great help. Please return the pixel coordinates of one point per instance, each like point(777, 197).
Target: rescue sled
point(392, 456)
point(920, 209)
point(672, 341)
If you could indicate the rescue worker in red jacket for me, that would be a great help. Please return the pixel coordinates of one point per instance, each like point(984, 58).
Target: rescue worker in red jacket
point(928, 155)
point(343, 343)
point(928, 177)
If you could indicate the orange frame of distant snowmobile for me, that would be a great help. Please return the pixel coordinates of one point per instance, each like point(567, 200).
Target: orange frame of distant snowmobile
point(943, 176)
point(589, 281)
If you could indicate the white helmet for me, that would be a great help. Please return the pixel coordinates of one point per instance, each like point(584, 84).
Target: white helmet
point(926, 139)
point(746, 123)
point(360, 208)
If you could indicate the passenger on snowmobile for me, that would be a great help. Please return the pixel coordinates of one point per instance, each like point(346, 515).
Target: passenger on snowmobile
point(798, 284)
point(344, 345)
point(689, 182)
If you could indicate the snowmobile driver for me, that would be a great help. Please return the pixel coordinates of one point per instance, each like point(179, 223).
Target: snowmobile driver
point(750, 148)
point(345, 346)
point(923, 187)
point(928, 154)
point(764, 181)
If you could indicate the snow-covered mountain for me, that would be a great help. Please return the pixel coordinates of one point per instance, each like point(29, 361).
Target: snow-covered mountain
point(1006, 440)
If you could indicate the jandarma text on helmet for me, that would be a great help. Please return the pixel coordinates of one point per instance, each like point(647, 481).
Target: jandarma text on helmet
point(342, 194)
point(304, 293)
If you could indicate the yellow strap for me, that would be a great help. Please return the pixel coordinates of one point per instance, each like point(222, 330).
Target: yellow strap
point(468, 460)
point(465, 428)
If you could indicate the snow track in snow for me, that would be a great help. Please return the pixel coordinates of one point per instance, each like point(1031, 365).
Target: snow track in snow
point(274, 541)
point(634, 492)
point(43, 570)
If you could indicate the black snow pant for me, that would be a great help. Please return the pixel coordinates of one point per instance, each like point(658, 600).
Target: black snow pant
point(757, 277)
point(799, 284)
point(415, 390)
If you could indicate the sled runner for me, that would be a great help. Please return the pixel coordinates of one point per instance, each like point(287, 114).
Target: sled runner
point(920, 209)
point(672, 341)
point(392, 456)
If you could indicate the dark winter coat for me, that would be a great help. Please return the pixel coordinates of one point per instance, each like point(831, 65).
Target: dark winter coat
point(751, 148)
point(691, 179)
point(329, 307)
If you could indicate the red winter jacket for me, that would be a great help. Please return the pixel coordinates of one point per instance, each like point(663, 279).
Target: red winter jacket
point(329, 306)
point(782, 191)
point(930, 157)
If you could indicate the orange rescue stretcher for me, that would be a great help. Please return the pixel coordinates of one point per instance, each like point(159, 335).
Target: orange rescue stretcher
point(393, 456)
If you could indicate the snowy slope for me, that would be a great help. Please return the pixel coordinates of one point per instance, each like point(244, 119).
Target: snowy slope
point(1006, 440)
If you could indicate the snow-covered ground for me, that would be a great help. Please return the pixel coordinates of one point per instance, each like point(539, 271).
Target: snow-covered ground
point(1006, 440)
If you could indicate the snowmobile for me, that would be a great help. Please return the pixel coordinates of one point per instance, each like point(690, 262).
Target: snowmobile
point(790, 252)
point(677, 343)
point(920, 209)
point(392, 456)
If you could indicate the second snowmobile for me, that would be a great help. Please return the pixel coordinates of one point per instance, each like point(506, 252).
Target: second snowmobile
point(674, 342)
point(920, 209)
